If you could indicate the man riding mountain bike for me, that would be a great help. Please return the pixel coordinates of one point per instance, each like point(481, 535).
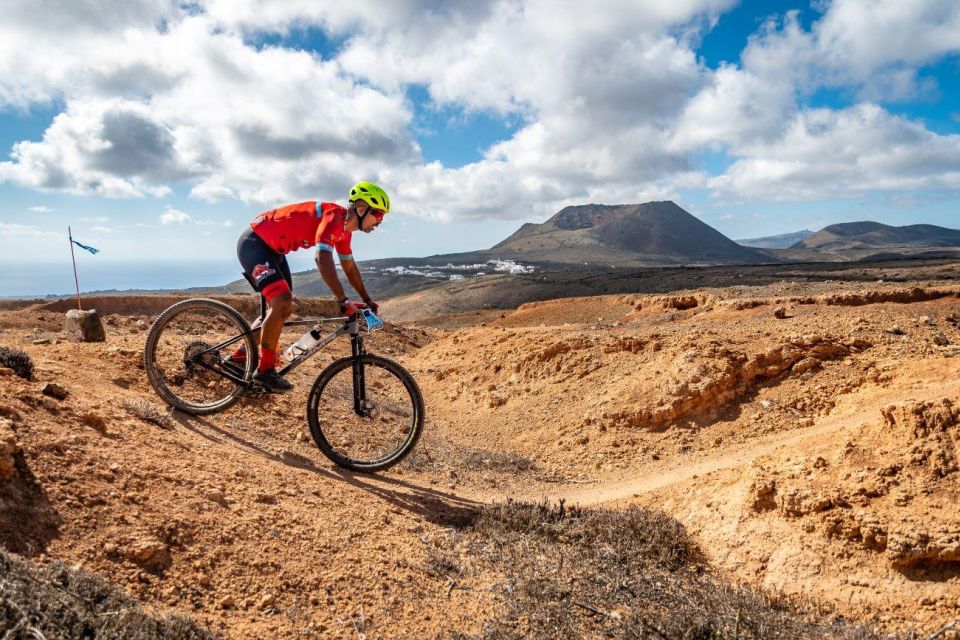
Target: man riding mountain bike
point(262, 251)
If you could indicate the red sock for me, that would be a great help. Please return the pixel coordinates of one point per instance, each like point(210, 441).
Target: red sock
point(268, 359)
point(240, 355)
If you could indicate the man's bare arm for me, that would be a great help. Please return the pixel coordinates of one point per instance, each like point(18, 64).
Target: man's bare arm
point(328, 271)
point(352, 271)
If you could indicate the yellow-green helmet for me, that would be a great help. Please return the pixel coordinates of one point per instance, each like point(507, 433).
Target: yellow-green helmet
point(371, 194)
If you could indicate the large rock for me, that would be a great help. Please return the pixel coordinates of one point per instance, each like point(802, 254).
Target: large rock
point(84, 326)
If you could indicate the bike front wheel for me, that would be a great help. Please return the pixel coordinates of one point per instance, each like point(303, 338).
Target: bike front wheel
point(365, 414)
point(188, 350)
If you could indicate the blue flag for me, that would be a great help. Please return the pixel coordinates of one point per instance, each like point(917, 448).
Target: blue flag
point(83, 246)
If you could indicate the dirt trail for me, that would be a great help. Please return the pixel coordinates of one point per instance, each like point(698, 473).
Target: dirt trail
point(848, 416)
point(675, 474)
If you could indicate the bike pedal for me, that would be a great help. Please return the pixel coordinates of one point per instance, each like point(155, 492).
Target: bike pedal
point(257, 389)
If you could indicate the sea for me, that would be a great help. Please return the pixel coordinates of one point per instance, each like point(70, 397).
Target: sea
point(36, 280)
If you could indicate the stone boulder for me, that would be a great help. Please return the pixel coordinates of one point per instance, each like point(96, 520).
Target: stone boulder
point(84, 326)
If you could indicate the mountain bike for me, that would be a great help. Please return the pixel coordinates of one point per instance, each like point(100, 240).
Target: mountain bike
point(365, 411)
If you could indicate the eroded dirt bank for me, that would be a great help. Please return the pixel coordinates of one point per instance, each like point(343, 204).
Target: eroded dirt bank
point(806, 437)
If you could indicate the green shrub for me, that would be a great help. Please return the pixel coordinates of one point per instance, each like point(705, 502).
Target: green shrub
point(18, 360)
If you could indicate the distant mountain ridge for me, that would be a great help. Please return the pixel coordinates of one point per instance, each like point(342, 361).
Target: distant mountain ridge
point(781, 241)
point(867, 235)
point(653, 231)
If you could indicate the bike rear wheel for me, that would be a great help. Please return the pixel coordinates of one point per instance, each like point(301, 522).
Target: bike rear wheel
point(188, 345)
point(371, 434)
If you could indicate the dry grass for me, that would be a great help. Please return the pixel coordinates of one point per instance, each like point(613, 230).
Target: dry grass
point(56, 601)
point(579, 573)
point(436, 454)
point(148, 411)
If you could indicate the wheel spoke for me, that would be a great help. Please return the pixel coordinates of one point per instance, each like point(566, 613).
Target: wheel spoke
point(385, 428)
point(183, 358)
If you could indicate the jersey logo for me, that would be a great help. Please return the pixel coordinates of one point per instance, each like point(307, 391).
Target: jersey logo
point(261, 271)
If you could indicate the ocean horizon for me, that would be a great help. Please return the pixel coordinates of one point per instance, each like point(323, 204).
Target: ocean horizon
point(42, 280)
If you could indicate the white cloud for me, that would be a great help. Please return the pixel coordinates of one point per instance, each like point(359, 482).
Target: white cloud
point(174, 216)
point(842, 154)
point(861, 39)
point(17, 230)
point(612, 102)
point(101, 229)
point(148, 109)
point(40, 209)
point(52, 49)
point(95, 219)
point(111, 147)
point(784, 151)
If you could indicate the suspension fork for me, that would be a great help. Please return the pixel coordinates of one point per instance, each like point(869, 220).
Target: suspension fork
point(359, 383)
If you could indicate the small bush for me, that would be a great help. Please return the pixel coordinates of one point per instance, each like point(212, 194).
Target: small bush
point(437, 454)
point(148, 411)
point(501, 461)
point(629, 536)
point(594, 573)
point(57, 601)
point(18, 360)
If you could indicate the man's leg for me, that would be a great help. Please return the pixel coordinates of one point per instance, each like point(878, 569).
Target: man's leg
point(279, 306)
point(279, 309)
point(264, 269)
point(276, 307)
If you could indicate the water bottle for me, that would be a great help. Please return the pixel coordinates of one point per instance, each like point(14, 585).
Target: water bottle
point(302, 345)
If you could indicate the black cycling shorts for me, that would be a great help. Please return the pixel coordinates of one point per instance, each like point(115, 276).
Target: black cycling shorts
point(262, 266)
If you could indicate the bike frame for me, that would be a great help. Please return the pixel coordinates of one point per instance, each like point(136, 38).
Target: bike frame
point(351, 327)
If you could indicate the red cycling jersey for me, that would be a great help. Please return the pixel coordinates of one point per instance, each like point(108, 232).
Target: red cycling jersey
point(302, 225)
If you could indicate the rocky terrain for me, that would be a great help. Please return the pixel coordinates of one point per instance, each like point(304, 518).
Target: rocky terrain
point(795, 435)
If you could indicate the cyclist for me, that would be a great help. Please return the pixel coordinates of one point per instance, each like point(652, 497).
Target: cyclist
point(262, 251)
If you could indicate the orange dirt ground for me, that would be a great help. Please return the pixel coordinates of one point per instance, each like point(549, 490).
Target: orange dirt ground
point(814, 453)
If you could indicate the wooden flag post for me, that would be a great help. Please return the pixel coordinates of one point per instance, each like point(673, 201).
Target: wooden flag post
point(75, 280)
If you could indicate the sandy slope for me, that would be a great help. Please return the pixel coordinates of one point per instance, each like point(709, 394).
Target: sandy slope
point(674, 400)
point(702, 402)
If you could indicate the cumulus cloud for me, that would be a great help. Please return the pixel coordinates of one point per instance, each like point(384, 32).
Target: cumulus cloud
point(828, 154)
point(612, 102)
point(860, 40)
point(785, 151)
point(174, 216)
point(40, 209)
point(147, 108)
point(113, 148)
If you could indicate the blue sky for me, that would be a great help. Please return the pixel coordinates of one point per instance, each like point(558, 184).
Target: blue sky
point(158, 133)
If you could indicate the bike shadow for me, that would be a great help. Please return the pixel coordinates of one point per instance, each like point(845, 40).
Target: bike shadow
point(433, 505)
